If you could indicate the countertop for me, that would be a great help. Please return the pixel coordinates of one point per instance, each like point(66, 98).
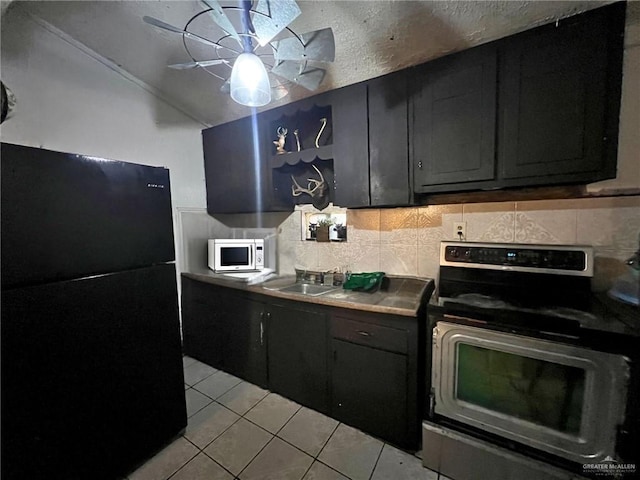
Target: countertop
point(398, 295)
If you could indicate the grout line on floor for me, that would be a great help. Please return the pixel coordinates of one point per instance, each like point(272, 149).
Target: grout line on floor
point(377, 460)
point(328, 439)
point(332, 468)
point(211, 375)
point(223, 431)
point(214, 461)
point(315, 457)
point(205, 378)
point(256, 455)
point(285, 423)
point(185, 463)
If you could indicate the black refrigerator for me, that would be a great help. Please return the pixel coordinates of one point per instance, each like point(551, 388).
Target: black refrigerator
point(92, 379)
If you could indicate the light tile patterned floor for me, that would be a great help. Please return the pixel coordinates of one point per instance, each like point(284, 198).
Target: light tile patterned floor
point(239, 431)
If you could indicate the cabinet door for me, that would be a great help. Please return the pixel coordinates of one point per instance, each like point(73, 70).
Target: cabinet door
point(234, 167)
point(245, 352)
point(350, 146)
point(388, 147)
point(452, 120)
point(203, 322)
point(298, 355)
point(369, 390)
point(554, 102)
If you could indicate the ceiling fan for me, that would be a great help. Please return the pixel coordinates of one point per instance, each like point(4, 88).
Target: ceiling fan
point(252, 50)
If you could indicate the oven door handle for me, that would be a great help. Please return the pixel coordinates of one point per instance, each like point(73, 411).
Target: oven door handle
point(458, 317)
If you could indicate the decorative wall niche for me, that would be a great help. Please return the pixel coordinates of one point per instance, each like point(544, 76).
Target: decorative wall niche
point(312, 224)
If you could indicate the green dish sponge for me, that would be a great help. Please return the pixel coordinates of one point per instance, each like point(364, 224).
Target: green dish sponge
point(365, 282)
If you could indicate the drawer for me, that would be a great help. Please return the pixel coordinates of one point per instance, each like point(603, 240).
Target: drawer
point(371, 335)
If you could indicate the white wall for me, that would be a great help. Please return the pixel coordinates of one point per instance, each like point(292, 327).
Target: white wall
point(69, 101)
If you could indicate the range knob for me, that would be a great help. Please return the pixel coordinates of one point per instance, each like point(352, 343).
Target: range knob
point(453, 252)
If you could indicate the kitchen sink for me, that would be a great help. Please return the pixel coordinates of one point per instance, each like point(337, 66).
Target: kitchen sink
point(308, 289)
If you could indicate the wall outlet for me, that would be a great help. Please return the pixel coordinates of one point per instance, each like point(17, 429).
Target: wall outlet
point(460, 230)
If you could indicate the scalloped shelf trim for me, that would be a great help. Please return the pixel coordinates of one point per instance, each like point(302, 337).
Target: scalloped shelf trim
point(303, 156)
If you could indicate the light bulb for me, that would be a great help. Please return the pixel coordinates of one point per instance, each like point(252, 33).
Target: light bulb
point(249, 81)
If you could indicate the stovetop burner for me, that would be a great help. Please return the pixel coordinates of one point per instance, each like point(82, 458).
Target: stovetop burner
point(486, 302)
point(534, 287)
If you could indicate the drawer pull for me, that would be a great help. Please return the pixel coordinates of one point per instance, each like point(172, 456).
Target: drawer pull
point(363, 333)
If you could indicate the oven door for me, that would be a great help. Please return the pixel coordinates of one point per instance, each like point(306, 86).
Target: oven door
point(559, 398)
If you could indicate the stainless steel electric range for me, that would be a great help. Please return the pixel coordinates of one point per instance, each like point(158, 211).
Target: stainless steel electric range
point(527, 364)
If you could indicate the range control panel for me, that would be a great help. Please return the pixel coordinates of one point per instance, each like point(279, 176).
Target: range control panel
point(548, 258)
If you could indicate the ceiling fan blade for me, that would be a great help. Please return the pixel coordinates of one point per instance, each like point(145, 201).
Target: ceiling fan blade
point(310, 77)
point(318, 46)
point(165, 26)
point(273, 20)
point(189, 65)
point(278, 90)
point(221, 19)
point(159, 23)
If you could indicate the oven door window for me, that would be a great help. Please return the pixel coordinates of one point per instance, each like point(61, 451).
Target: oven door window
point(544, 393)
point(560, 398)
point(234, 256)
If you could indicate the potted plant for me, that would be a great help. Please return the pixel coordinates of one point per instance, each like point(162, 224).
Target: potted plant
point(322, 230)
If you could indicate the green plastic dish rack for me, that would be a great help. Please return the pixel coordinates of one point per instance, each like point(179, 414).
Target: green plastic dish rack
point(364, 282)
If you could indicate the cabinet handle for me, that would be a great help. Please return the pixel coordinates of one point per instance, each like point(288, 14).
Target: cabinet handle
point(261, 333)
point(363, 333)
point(420, 164)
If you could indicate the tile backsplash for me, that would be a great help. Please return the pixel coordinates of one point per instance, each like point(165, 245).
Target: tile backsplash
point(406, 241)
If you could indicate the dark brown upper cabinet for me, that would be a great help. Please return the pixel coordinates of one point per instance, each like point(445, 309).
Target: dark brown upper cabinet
point(534, 109)
point(452, 120)
point(389, 181)
point(234, 166)
point(370, 146)
point(559, 100)
point(538, 108)
point(350, 146)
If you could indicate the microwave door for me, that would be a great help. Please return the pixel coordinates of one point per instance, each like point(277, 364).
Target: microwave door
point(234, 258)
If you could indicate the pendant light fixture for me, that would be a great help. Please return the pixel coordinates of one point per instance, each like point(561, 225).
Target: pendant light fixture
point(249, 80)
point(271, 56)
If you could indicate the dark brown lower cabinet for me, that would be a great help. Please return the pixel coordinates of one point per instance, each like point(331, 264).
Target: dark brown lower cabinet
point(361, 368)
point(370, 390)
point(203, 323)
point(222, 328)
point(245, 346)
point(374, 375)
point(297, 355)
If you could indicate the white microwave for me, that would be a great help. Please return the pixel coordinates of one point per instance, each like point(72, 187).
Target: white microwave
point(236, 255)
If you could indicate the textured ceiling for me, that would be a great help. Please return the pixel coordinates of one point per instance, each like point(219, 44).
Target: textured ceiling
point(372, 38)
